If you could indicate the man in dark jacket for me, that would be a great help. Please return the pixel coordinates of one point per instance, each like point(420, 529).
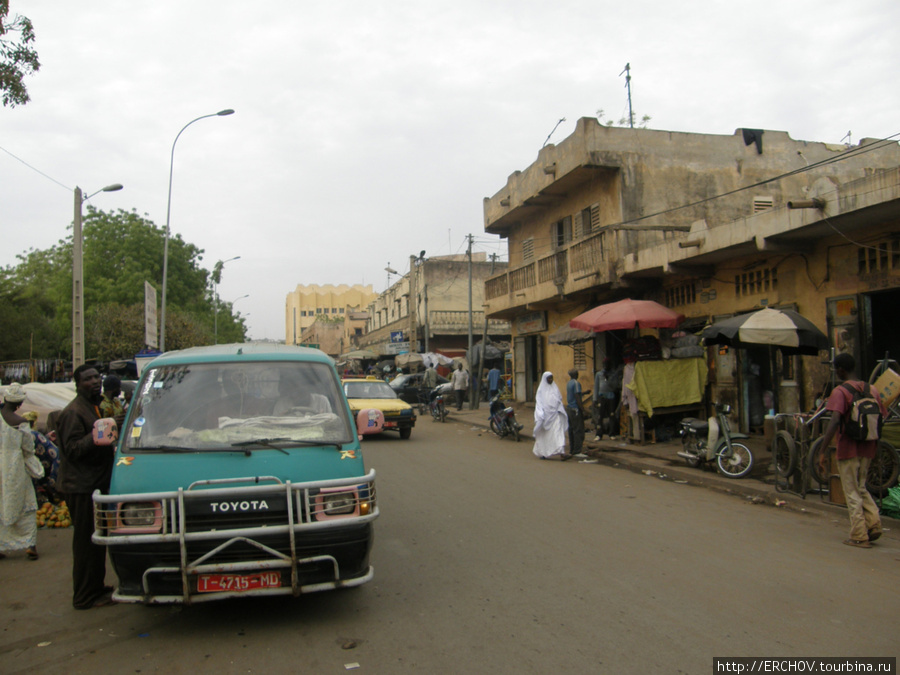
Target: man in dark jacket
point(83, 468)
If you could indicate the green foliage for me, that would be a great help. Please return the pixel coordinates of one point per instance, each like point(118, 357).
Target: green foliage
point(121, 251)
point(623, 121)
point(17, 57)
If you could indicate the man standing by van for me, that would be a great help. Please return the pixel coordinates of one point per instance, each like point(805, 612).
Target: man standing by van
point(84, 467)
point(853, 456)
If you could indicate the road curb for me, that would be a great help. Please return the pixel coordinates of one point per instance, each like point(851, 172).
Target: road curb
point(752, 489)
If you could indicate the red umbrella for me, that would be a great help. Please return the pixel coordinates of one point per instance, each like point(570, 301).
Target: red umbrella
point(627, 313)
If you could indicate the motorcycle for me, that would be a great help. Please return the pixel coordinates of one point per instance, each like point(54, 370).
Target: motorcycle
point(503, 419)
point(705, 441)
point(436, 405)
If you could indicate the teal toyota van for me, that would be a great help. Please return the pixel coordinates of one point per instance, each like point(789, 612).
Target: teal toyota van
point(238, 473)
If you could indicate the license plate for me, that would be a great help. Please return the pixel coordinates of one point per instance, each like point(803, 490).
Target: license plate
point(217, 583)
point(390, 425)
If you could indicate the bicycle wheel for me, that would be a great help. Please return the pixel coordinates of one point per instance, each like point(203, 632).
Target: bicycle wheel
point(785, 453)
point(738, 463)
point(818, 462)
point(883, 470)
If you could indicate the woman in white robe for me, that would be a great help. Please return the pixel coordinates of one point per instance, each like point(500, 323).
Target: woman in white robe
point(550, 420)
point(18, 524)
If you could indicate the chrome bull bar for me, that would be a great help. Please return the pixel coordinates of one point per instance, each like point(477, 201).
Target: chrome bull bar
point(172, 521)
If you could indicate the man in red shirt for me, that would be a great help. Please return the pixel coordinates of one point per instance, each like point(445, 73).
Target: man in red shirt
point(853, 457)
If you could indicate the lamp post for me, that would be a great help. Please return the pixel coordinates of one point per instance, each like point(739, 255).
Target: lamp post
point(231, 305)
point(217, 277)
point(78, 275)
point(162, 327)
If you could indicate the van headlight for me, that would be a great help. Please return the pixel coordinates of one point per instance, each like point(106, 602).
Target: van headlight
point(336, 503)
point(143, 516)
point(339, 504)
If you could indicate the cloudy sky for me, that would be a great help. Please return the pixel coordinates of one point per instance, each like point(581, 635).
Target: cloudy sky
point(368, 131)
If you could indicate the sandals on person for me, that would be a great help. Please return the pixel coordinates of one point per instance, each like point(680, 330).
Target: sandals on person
point(874, 535)
point(32, 553)
point(859, 543)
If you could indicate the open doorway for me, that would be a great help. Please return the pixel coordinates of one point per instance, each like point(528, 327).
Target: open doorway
point(880, 329)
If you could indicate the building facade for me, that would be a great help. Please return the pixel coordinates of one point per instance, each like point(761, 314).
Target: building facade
point(697, 222)
point(309, 302)
point(437, 319)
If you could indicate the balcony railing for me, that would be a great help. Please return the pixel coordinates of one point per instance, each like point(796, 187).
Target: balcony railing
point(584, 256)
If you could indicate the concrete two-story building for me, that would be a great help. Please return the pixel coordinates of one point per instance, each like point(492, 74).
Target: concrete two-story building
point(438, 317)
point(700, 223)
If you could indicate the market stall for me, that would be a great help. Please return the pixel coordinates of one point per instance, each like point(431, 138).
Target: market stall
point(659, 378)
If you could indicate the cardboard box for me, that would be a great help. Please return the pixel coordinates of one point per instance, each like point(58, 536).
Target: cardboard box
point(888, 386)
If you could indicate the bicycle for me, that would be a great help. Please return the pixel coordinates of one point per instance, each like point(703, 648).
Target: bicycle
point(884, 468)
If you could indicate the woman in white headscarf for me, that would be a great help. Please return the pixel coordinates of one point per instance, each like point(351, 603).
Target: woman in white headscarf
point(550, 421)
point(18, 525)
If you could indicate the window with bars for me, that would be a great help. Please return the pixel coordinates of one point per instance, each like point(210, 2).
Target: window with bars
point(528, 250)
point(580, 357)
point(881, 257)
point(684, 294)
point(755, 282)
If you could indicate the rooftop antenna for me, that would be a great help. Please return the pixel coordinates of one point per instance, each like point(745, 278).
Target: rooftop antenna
point(627, 72)
point(563, 119)
point(849, 138)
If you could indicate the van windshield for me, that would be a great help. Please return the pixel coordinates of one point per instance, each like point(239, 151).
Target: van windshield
point(212, 406)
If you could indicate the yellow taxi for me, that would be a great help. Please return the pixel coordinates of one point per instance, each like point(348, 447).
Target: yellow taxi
point(368, 393)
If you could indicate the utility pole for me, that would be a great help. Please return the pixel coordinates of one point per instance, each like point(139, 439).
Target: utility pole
point(413, 302)
point(473, 398)
point(627, 72)
point(484, 340)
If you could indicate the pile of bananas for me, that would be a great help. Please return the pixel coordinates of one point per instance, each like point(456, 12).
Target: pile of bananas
point(50, 515)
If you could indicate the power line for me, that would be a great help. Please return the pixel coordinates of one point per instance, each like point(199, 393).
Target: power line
point(34, 169)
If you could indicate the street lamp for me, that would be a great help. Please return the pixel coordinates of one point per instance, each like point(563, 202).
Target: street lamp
point(231, 306)
point(217, 277)
point(78, 275)
point(162, 327)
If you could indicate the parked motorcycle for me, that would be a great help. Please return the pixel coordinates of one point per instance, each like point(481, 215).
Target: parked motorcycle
point(503, 419)
point(712, 440)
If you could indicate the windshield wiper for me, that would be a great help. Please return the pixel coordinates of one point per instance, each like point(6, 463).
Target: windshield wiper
point(264, 442)
point(165, 448)
point(270, 443)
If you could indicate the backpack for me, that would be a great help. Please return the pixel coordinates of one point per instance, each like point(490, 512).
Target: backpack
point(863, 419)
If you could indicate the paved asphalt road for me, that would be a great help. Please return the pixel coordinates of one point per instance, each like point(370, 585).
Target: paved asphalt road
point(488, 560)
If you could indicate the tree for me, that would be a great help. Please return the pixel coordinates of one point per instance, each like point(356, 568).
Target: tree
point(17, 57)
point(122, 250)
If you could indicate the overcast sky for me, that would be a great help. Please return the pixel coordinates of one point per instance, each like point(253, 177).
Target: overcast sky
point(368, 131)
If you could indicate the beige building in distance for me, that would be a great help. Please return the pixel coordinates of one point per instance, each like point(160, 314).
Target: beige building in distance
point(329, 305)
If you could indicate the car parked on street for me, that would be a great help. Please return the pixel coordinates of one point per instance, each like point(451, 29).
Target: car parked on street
point(407, 386)
point(371, 393)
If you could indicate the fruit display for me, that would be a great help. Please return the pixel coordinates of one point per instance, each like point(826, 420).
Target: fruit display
point(54, 515)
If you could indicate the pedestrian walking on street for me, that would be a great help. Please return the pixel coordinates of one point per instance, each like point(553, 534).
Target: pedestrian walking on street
point(460, 384)
point(550, 421)
point(575, 411)
point(84, 467)
point(18, 504)
point(853, 456)
point(604, 400)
